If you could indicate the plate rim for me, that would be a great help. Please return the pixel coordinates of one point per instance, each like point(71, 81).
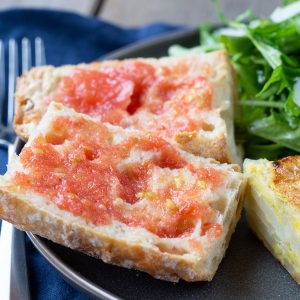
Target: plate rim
point(69, 274)
point(148, 42)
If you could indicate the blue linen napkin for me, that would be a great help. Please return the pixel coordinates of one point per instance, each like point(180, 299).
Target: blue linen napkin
point(69, 39)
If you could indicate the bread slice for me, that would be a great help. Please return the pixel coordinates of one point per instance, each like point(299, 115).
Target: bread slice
point(273, 208)
point(189, 98)
point(129, 198)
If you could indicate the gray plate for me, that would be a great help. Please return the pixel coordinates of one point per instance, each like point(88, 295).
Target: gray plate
point(248, 271)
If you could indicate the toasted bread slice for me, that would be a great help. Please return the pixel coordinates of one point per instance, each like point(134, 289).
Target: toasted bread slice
point(129, 198)
point(273, 208)
point(189, 98)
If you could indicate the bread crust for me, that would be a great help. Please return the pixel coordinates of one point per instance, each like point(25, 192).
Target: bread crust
point(27, 112)
point(39, 82)
point(161, 265)
point(199, 145)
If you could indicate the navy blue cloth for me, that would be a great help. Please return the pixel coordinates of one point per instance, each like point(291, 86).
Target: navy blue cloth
point(69, 39)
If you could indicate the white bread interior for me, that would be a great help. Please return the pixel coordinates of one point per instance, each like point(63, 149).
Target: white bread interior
point(117, 243)
point(216, 140)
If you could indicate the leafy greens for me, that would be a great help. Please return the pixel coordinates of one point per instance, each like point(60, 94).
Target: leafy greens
point(265, 54)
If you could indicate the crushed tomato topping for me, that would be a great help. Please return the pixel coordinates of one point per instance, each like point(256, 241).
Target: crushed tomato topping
point(122, 94)
point(79, 167)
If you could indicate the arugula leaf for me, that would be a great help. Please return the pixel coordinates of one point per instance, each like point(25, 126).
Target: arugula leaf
point(270, 53)
point(206, 36)
point(276, 131)
point(287, 2)
point(177, 50)
point(281, 14)
point(265, 54)
point(259, 148)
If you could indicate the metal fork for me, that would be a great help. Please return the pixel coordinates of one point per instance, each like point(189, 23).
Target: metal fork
point(14, 280)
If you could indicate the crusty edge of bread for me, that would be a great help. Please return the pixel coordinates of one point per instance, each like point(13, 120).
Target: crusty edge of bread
point(161, 265)
point(24, 128)
point(222, 147)
point(207, 147)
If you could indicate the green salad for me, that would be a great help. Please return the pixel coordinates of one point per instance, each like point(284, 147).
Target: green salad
point(265, 54)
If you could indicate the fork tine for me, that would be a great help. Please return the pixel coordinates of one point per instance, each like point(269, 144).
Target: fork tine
point(26, 55)
point(12, 75)
point(40, 59)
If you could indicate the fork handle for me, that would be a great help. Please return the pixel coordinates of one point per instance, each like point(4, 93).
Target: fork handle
point(19, 275)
